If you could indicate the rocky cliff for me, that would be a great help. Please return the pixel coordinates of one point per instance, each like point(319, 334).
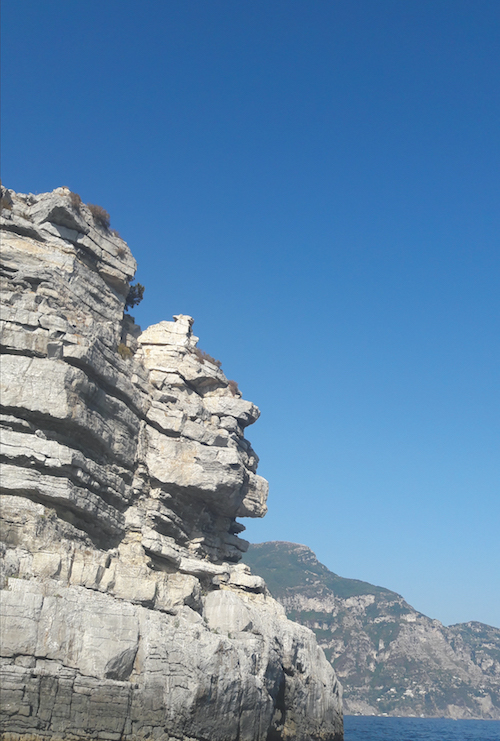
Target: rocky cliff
point(391, 659)
point(125, 612)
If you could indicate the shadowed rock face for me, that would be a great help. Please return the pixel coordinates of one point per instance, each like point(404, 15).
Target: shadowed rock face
point(125, 612)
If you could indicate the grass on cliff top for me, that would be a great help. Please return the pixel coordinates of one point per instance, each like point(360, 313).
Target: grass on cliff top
point(289, 568)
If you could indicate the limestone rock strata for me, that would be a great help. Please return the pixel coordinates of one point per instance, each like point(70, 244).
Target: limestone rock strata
point(125, 612)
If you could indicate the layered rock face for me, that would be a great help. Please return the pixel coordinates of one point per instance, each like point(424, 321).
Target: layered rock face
point(125, 612)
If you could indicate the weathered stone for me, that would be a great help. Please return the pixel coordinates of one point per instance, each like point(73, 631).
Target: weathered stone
point(125, 613)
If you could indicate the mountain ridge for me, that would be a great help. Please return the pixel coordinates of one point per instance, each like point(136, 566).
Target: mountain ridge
point(390, 658)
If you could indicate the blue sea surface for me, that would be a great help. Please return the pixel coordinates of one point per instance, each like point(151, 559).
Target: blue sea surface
point(364, 728)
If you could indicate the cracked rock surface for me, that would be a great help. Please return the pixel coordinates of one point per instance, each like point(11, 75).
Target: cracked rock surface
point(125, 611)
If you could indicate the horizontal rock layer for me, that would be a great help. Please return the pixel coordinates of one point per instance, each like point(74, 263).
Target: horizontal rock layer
point(125, 612)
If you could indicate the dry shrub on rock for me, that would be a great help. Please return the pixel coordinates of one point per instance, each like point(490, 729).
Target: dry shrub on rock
point(100, 215)
point(204, 357)
point(75, 200)
point(233, 388)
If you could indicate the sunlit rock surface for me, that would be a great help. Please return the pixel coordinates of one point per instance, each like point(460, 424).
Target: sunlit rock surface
point(125, 612)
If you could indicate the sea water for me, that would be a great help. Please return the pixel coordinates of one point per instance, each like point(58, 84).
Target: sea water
point(363, 728)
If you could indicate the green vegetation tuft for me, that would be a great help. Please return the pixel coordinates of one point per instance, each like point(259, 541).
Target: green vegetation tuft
point(134, 296)
point(124, 351)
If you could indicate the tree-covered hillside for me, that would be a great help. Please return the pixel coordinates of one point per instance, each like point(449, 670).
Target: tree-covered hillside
point(390, 658)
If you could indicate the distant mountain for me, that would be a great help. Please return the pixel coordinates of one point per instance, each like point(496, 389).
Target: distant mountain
point(391, 659)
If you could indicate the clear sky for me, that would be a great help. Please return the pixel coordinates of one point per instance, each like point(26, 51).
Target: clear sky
point(317, 183)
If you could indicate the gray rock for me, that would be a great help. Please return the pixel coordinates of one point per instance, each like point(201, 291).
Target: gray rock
point(125, 612)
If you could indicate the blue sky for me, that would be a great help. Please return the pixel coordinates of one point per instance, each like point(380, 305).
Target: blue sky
point(317, 183)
